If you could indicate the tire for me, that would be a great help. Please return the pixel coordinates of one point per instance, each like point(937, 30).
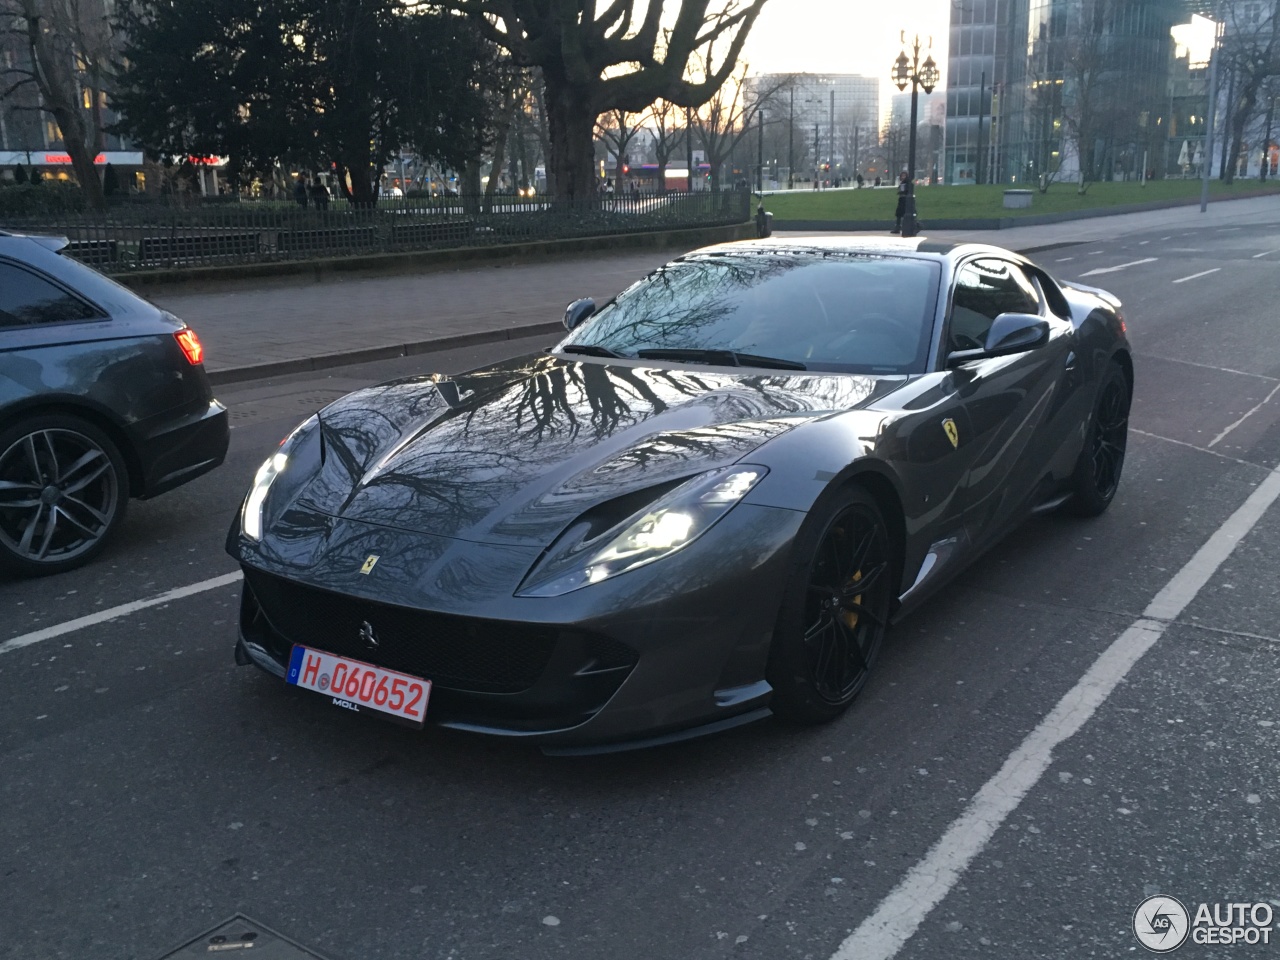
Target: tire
point(64, 489)
point(1097, 473)
point(828, 636)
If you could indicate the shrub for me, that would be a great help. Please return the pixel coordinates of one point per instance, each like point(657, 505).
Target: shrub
point(37, 200)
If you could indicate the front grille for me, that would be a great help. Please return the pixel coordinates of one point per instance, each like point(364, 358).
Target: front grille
point(464, 653)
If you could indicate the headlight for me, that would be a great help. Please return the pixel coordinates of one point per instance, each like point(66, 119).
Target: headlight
point(669, 523)
point(268, 473)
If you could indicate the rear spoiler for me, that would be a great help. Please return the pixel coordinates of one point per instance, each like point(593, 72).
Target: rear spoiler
point(56, 244)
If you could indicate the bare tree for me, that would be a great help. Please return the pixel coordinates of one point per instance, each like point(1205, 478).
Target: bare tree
point(619, 57)
point(1251, 52)
point(726, 119)
point(617, 131)
point(69, 46)
point(667, 137)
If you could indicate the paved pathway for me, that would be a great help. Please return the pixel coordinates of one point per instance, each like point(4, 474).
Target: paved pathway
point(290, 324)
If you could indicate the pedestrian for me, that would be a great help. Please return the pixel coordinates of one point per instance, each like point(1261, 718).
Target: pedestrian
point(860, 181)
point(320, 194)
point(904, 188)
point(300, 191)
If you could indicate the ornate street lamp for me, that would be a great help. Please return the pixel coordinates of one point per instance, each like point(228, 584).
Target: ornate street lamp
point(911, 70)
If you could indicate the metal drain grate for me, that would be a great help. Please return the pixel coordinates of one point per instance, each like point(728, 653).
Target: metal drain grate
point(241, 937)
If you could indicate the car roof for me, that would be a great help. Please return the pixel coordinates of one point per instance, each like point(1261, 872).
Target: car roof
point(915, 247)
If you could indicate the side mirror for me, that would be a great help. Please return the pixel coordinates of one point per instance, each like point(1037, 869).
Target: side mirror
point(1009, 333)
point(578, 311)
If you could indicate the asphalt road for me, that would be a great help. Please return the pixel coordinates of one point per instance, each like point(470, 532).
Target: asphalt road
point(150, 788)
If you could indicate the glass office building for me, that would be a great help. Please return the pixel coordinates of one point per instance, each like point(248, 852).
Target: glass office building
point(1069, 84)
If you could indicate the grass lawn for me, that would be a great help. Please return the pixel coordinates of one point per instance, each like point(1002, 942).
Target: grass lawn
point(953, 203)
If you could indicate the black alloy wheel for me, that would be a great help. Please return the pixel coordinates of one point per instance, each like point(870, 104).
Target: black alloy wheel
point(1101, 462)
point(833, 618)
point(63, 491)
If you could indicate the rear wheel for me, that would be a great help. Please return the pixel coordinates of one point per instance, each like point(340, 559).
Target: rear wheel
point(1097, 475)
point(834, 613)
point(63, 492)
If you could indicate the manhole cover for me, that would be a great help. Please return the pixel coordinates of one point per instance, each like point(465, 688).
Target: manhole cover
point(242, 937)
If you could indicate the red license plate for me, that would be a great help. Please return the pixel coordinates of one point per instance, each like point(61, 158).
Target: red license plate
point(359, 686)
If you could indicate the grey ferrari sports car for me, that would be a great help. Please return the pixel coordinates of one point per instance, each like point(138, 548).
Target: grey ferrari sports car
point(703, 506)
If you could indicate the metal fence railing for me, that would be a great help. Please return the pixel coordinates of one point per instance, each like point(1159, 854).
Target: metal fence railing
point(148, 236)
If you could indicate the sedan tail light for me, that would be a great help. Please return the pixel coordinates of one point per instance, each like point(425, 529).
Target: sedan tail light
point(190, 344)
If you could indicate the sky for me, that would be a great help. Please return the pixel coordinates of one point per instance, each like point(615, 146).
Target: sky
point(844, 36)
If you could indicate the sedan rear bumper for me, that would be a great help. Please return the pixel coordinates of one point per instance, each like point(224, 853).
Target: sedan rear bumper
point(182, 449)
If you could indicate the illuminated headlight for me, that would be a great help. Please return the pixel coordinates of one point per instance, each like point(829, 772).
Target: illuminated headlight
point(275, 465)
point(670, 523)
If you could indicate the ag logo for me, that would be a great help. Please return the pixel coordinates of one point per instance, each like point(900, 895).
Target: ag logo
point(369, 562)
point(953, 432)
point(1161, 924)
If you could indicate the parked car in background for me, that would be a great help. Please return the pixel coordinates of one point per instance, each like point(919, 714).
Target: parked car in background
point(103, 397)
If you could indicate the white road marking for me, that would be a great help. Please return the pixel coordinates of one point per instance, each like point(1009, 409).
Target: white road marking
point(1209, 366)
point(1064, 260)
point(1170, 237)
point(1265, 401)
point(1123, 266)
point(1192, 446)
point(1197, 276)
point(900, 914)
point(115, 613)
point(1143, 243)
point(1258, 256)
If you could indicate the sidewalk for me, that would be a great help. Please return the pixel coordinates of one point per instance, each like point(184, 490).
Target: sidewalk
point(267, 328)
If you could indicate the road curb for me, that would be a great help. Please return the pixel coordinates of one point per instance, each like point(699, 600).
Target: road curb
point(325, 361)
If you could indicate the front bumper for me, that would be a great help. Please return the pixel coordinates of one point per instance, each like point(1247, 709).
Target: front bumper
point(674, 648)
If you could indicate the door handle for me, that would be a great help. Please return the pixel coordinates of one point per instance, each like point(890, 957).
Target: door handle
point(1071, 362)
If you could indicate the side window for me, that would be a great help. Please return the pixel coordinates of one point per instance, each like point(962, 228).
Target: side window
point(984, 290)
point(27, 299)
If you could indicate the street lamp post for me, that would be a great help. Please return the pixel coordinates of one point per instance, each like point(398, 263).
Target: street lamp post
point(919, 75)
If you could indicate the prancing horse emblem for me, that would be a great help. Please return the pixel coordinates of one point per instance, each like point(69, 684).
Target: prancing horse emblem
point(367, 636)
point(953, 434)
point(368, 565)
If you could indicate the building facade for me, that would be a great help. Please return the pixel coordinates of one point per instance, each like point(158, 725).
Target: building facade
point(830, 121)
point(1044, 90)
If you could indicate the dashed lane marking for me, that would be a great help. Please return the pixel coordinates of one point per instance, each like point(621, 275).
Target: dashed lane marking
point(1197, 276)
point(1122, 266)
point(881, 935)
point(1259, 256)
point(115, 613)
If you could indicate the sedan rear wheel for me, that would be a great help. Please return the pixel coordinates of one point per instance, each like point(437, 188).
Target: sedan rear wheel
point(63, 491)
point(833, 617)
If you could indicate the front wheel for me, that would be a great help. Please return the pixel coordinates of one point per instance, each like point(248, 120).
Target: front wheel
point(63, 492)
point(1097, 474)
point(835, 610)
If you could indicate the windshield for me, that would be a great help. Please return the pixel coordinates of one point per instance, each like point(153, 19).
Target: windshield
point(817, 311)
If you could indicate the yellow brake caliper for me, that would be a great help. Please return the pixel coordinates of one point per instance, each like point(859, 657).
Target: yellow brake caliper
point(850, 617)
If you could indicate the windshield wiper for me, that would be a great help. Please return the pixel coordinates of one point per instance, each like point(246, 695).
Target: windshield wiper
point(724, 358)
point(589, 350)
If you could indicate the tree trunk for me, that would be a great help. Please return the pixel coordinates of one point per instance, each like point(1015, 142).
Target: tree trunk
point(363, 193)
point(501, 131)
point(61, 93)
point(571, 118)
point(1248, 101)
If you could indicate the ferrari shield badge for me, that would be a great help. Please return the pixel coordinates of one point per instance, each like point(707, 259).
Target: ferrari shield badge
point(949, 425)
point(370, 561)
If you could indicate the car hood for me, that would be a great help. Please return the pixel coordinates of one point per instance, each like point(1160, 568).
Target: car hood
point(514, 452)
